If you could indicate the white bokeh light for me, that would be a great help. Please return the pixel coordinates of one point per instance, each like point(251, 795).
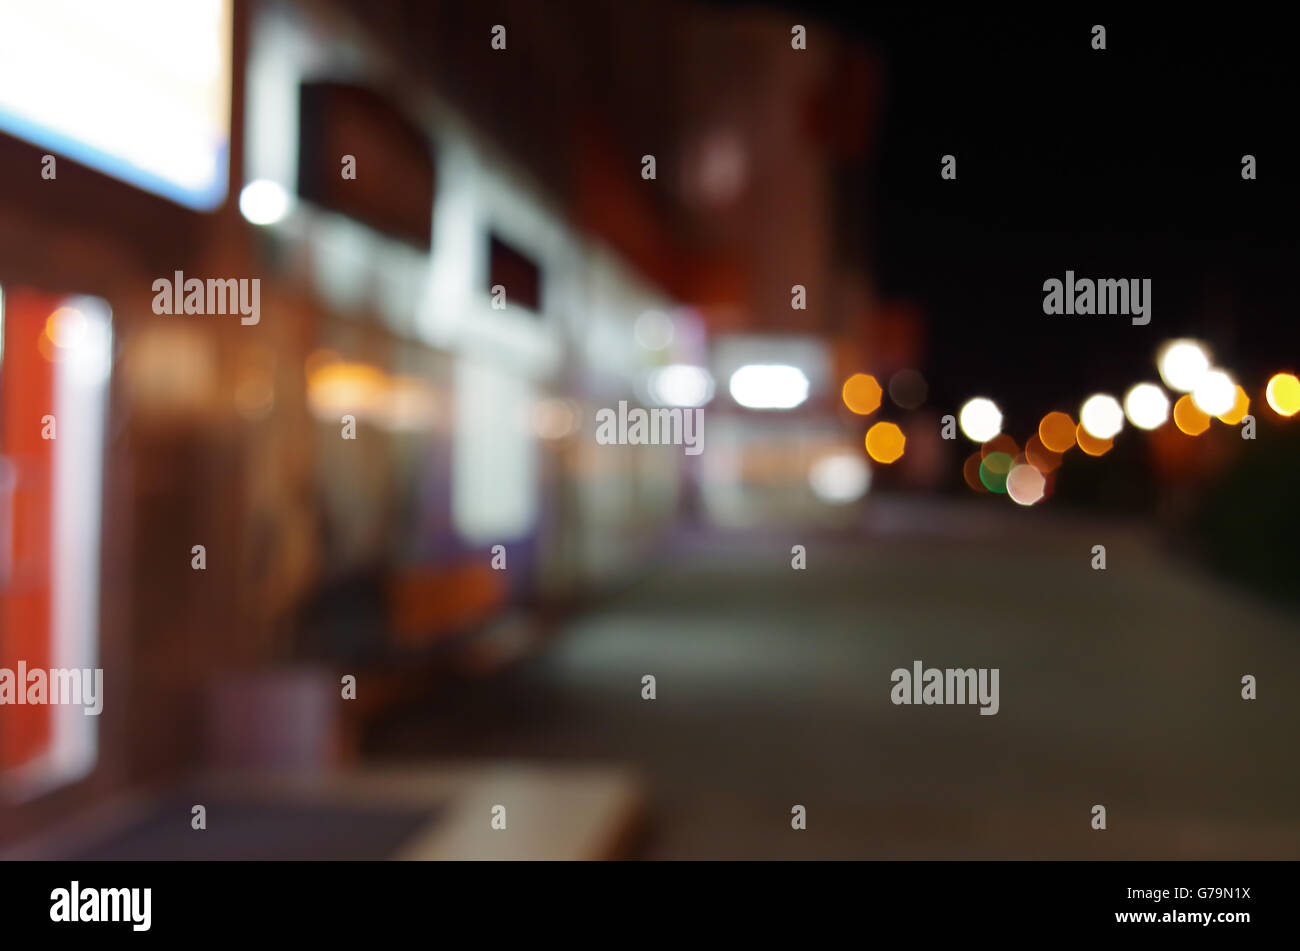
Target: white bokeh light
point(1102, 416)
point(680, 384)
point(264, 202)
point(769, 386)
point(1215, 393)
point(1026, 485)
point(840, 478)
point(1146, 406)
point(1182, 363)
point(980, 419)
point(653, 330)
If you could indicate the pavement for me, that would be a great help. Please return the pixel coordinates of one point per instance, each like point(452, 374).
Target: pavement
point(1119, 688)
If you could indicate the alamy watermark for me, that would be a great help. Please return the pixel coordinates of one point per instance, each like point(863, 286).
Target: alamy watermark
point(179, 295)
point(1085, 296)
point(950, 685)
point(651, 427)
point(76, 904)
point(79, 686)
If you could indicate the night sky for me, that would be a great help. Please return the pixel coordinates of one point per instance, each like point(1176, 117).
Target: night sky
point(1122, 163)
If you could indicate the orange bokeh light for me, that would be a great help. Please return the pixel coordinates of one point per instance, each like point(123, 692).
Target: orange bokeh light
point(1189, 417)
point(1090, 443)
point(885, 442)
point(862, 394)
point(1239, 409)
point(970, 471)
point(1283, 394)
point(1000, 443)
point(1057, 432)
point(1040, 457)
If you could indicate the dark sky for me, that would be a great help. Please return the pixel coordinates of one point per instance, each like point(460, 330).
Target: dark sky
point(1119, 163)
